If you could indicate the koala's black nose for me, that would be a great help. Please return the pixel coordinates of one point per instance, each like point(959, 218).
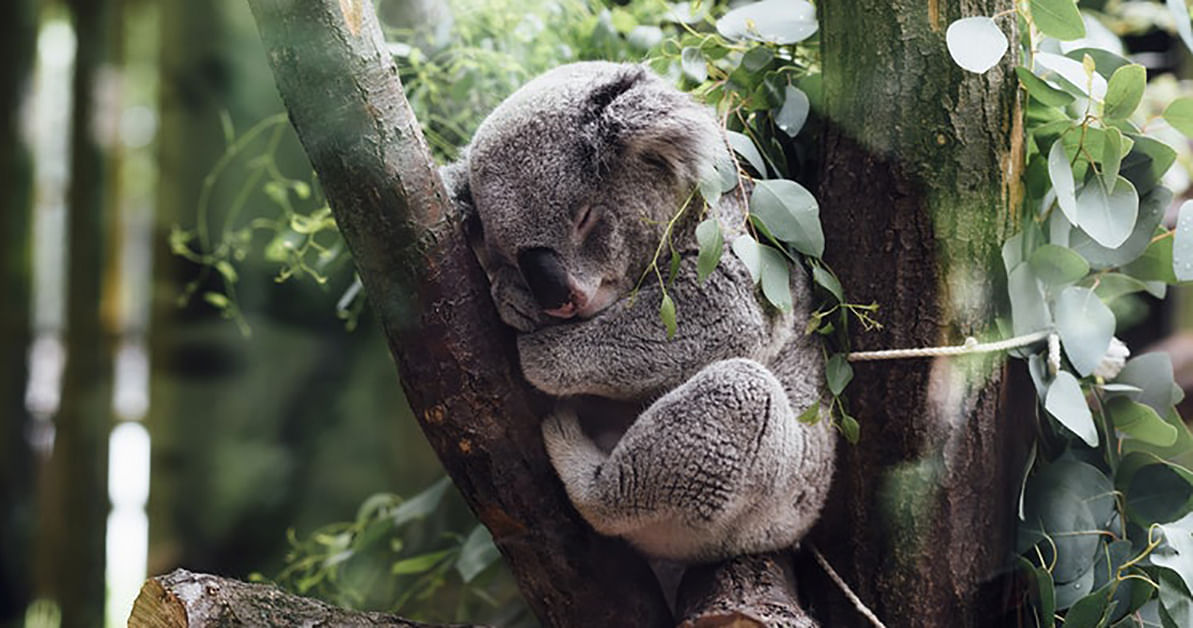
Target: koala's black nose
point(548, 280)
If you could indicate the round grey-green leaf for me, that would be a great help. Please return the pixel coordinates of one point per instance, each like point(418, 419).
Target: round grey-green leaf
point(776, 21)
point(747, 249)
point(1182, 243)
point(1141, 422)
point(1057, 265)
point(1029, 311)
point(794, 113)
point(1061, 174)
point(1125, 90)
point(1057, 18)
point(1066, 403)
point(790, 213)
point(1108, 217)
point(1085, 325)
point(694, 65)
point(1179, 113)
point(976, 43)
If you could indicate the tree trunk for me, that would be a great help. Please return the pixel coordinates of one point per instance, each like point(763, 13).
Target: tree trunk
point(18, 30)
point(75, 507)
point(455, 358)
point(919, 186)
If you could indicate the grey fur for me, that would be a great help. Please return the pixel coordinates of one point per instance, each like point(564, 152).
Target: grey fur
point(716, 465)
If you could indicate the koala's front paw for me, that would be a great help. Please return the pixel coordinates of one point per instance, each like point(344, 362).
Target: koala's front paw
point(562, 434)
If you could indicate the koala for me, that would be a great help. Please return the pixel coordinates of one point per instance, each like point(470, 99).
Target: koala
point(567, 189)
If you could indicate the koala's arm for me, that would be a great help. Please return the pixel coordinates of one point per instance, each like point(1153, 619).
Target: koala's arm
point(624, 352)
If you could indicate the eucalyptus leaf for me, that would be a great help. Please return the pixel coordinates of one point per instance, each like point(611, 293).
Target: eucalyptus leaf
point(1182, 243)
point(708, 237)
point(794, 113)
point(1154, 492)
point(1042, 91)
point(477, 553)
point(1125, 90)
point(775, 21)
point(1177, 552)
point(1179, 114)
point(1108, 217)
point(1057, 265)
point(1105, 62)
point(1153, 374)
point(1029, 310)
point(1068, 501)
point(1070, 75)
point(693, 64)
point(757, 58)
point(1057, 18)
point(1085, 325)
point(1175, 599)
point(1061, 174)
point(744, 146)
point(667, 313)
point(1112, 157)
point(1111, 286)
point(1087, 612)
point(1147, 162)
point(776, 278)
point(826, 280)
point(419, 564)
point(837, 373)
point(1140, 422)
point(1180, 16)
point(976, 43)
point(421, 505)
point(790, 213)
point(1066, 403)
point(1155, 264)
point(747, 249)
point(1151, 211)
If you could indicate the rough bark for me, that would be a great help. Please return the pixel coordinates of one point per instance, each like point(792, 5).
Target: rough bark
point(918, 189)
point(18, 28)
point(182, 599)
point(748, 591)
point(454, 357)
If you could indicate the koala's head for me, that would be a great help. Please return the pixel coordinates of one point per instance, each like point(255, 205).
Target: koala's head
point(574, 177)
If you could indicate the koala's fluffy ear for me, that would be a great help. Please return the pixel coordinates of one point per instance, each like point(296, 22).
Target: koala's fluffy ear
point(455, 179)
point(634, 113)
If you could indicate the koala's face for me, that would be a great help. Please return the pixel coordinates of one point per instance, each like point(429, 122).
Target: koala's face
point(573, 179)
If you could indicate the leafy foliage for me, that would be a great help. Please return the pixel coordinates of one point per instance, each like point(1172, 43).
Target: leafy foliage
point(1107, 520)
point(395, 556)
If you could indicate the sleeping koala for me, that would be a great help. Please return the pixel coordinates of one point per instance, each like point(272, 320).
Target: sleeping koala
point(569, 185)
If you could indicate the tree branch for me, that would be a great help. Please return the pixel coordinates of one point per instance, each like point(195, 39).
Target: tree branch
point(456, 360)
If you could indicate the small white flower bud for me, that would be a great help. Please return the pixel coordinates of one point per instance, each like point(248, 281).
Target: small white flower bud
point(1114, 360)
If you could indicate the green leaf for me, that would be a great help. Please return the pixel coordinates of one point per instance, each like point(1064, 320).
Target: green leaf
point(1179, 114)
point(694, 65)
point(1182, 244)
point(1154, 491)
point(1105, 62)
point(794, 113)
point(1112, 156)
point(667, 313)
point(421, 505)
point(1029, 310)
point(419, 564)
point(776, 279)
point(849, 429)
point(1153, 374)
point(708, 236)
point(1151, 211)
point(747, 249)
point(1070, 75)
point(1114, 285)
point(1180, 16)
point(757, 58)
point(976, 43)
point(1148, 161)
point(1057, 18)
point(1061, 175)
point(1042, 91)
point(1085, 325)
point(775, 21)
point(826, 280)
point(1124, 91)
point(1087, 612)
point(1177, 553)
point(216, 299)
point(1066, 403)
point(810, 416)
point(838, 373)
point(1155, 264)
point(790, 213)
point(1140, 422)
point(1175, 600)
point(1057, 265)
point(744, 146)
point(1108, 218)
point(477, 553)
point(1067, 500)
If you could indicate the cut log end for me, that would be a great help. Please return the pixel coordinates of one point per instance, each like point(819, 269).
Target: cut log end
point(182, 599)
point(744, 592)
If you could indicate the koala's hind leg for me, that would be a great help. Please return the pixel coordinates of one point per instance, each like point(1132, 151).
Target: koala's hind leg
point(690, 465)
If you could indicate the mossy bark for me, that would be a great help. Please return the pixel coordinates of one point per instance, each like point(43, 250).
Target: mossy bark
point(919, 187)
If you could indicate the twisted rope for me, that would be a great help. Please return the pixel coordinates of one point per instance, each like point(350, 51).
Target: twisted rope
point(971, 346)
point(849, 594)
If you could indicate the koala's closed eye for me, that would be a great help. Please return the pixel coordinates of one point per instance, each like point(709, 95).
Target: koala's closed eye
point(586, 218)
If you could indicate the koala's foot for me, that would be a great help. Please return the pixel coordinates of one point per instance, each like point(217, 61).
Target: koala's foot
point(715, 468)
